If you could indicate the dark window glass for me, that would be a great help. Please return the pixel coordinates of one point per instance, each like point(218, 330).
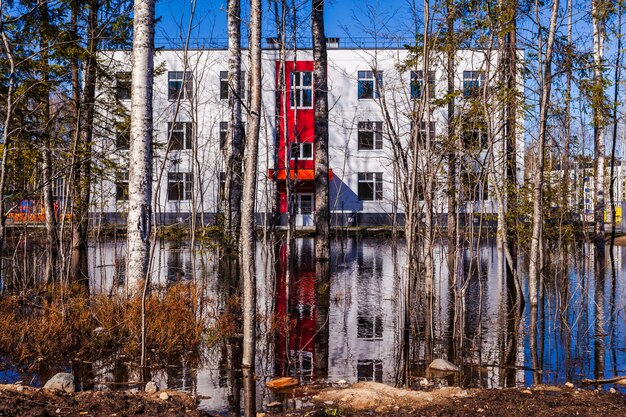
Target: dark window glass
point(224, 85)
point(370, 370)
point(121, 186)
point(417, 84)
point(122, 139)
point(370, 186)
point(421, 134)
point(367, 87)
point(179, 186)
point(472, 81)
point(179, 134)
point(301, 94)
point(370, 136)
point(180, 85)
point(475, 139)
point(122, 85)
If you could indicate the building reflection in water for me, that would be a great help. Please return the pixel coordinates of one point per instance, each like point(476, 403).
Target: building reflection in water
point(579, 332)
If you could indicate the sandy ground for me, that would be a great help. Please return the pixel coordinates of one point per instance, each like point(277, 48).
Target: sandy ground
point(372, 399)
point(361, 399)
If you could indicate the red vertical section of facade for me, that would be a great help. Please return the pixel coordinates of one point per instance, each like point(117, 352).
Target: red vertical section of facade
point(300, 129)
point(295, 316)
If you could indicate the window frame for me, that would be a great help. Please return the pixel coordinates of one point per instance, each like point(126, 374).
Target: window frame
point(186, 128)
point(122, 139)
point(375, 128)
point(123, 83)
point(299, 90)
point(373, 78)
point(300, 147)
point(121, 186)
point(179, 85)
point(421, 133)
point(225, 90)
point(473, 81)
point(373, 180)
point(180, 183)
point(417, 84)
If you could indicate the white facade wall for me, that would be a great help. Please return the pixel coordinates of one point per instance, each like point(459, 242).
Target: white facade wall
point(206, 110)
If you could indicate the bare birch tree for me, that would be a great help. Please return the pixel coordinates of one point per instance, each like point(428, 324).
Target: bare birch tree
point(534, 268)
point(247, 255)
point(233, 151)
point(598, 16)
point(140, 155)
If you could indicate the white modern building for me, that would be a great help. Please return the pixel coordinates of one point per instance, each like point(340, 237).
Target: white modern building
point(373, 94)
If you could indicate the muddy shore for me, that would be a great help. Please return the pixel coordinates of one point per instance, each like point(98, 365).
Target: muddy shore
point(362, 399)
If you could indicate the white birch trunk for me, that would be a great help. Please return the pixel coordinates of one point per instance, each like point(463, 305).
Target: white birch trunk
point(534, 268)
point(140, 155)
point(248, 270)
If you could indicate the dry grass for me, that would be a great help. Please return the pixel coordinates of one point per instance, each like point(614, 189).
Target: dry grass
point(44, 327)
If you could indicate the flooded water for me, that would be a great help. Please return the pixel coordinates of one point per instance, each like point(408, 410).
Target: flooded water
point(352, 331)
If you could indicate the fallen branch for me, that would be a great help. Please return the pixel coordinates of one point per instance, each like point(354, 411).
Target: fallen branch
point(603, 381)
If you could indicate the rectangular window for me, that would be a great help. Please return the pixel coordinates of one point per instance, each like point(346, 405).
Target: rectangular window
point(475, 139)
point(179, 135)
point(122, 138)
point(179, 85)
point(369, 327)
point(301, 94)
point(369, 84)
point(370, 136)
point(224, 90)
point(472, 81)
point(420, 135)
point(417, 84)
point(370, 186)
point(179, 186)
point(223, 134)
point(122, 85)
point(121, 186)
point(370, 370)
point(302, 151)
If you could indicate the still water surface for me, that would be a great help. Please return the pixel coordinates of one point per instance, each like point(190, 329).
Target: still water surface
point(353, 332)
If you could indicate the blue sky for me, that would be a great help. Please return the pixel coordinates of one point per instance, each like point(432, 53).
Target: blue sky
point(342, 17)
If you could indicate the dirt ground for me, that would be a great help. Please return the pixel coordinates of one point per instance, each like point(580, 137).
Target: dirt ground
point(372, 399)
point(33, 402)
point(362, 399)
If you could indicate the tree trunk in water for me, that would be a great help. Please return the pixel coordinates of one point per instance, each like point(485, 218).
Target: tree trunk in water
point(233, 151)
point(140, 155)
point(534, 268)
point(320, 86)
point(598, 12)
point(248, 270)
point(322, 203)
point(82, 173)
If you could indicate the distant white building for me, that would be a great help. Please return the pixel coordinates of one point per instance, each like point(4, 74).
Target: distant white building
point(191, 109)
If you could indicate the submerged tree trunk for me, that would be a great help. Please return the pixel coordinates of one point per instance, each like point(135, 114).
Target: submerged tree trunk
point(233, 151)
point(248, 270)
point(535, 267)
point(598, 14)
point(82, 175)
point(320, 86)
point(140, 155)
point(322, 203)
